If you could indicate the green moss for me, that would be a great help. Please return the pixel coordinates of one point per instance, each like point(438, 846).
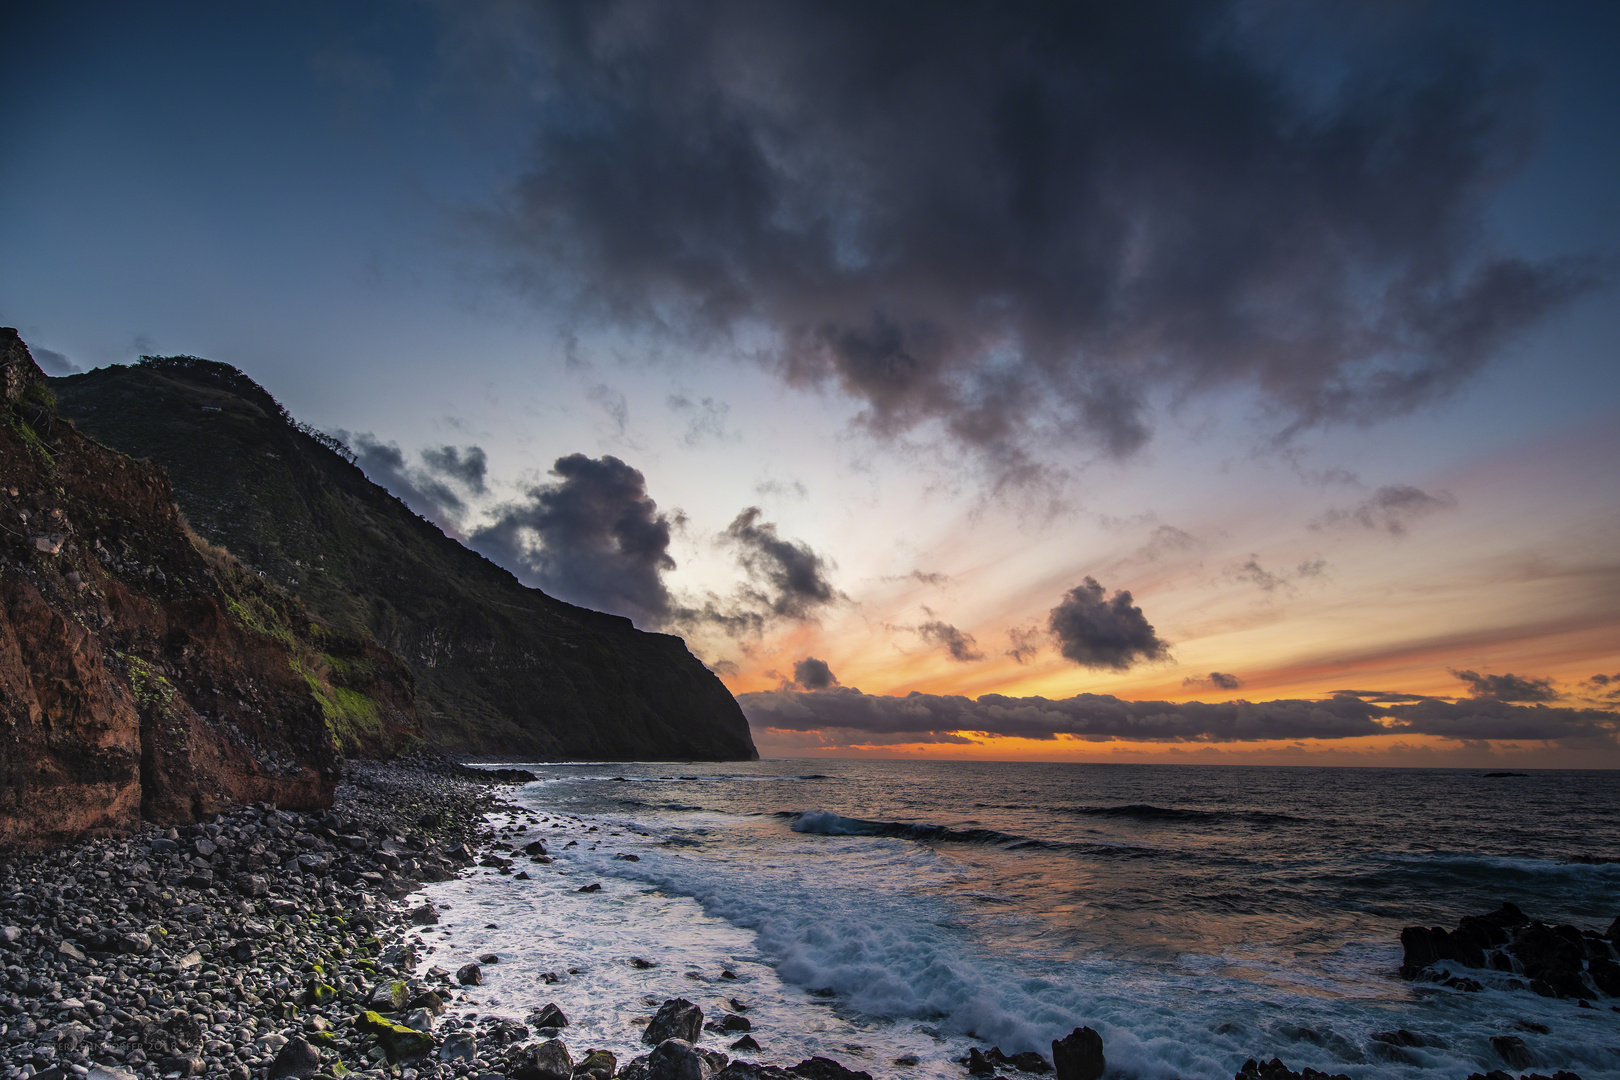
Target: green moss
point(25, 431)
point(399, 1042)
point(150, 687)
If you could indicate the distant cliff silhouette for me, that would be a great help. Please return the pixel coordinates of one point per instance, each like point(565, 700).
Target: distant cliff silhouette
point(501, 670)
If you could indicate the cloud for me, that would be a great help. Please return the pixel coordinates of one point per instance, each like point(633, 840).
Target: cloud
point(467, 465)
point(854, 716)
point(1215, 680)
point(1099, 633)
point(1023, 643)
point(53, 363)
point(705, 419)
point(793, 577)
point(1392, 509)
point(1507, 687)
point(593, 538)
point(431, 489)
point(1251, 572)
point(1017, 223)
point(959, 645)
point(813, 674)
point(1607, 685)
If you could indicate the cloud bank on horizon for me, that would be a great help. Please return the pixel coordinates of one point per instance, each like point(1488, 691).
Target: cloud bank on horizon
point(844, 715)
point(1024, 223)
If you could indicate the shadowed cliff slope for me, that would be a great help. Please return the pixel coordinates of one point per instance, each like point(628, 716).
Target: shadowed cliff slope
point(501, 670)
point(142, 672)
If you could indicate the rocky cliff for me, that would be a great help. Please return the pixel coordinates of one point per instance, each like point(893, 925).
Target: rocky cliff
point(502, 670)
point(142, 672)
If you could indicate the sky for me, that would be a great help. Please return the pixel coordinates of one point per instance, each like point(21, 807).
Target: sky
point(1190, 381)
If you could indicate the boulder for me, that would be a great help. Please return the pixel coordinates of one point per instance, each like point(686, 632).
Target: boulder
point(820, 1068)
point(549, 1060)
point(550, 1016)
point(1079, 1055)
point(598, 1065)
point(678, 1059)
point(677, 1018)
point(470, 975)
point(298, 1058)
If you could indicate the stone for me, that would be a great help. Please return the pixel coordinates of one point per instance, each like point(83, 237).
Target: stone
point(459, 1047)
point(732, 1022)
point(548, 1060)
point(470, 975)
point(71, 951)
point(598, 1065)
point(399, 1043)
point(1079, 1055)
point(820, 1068)
point(298, 1058)
point(678, 1059)
point(108, 1072)
point(135, 943)
point(1512, 1050)
point(747, 1042)
point(550, 1016)
point(677, 1018)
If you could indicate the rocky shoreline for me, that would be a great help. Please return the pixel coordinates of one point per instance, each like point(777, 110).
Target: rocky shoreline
point(266, 944)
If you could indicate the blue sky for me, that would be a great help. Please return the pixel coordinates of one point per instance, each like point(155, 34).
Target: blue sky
point(958, 336)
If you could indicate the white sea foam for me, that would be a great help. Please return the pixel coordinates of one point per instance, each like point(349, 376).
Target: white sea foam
point(919, 965)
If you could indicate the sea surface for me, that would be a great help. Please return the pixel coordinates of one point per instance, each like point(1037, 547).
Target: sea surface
point(1194, 915)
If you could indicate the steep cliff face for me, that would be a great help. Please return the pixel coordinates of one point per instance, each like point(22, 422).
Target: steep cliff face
point(141, 672)
point(501, 670)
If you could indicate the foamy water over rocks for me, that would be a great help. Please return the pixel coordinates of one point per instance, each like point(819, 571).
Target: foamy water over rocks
point(884, 912)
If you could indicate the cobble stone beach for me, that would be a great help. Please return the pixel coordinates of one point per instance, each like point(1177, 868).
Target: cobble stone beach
point(267, 944)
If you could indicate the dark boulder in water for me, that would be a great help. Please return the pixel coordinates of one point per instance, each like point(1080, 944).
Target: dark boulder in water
point(1079, 1055)
point(820, 1068)
point(549, 1060)
point(1553, 961)
point(677, 1018)
point(1276, 1070)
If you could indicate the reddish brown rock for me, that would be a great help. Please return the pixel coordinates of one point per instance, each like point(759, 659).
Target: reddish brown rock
point(141, 671)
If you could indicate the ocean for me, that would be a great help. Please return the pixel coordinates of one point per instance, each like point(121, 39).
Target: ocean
point(883, 911)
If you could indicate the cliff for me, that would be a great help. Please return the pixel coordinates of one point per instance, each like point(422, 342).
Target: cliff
point(501, 670)
point(143, 673)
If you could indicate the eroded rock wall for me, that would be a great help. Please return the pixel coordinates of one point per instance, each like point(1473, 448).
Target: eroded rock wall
point(141, 673)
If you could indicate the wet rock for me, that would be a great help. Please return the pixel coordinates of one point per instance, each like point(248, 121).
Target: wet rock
point(731, 1022)
point(820, 1068)
point(549, 1060)
point(598, 1065)
point(678, 1059)
point(470, 975)
point(677, 1018)
point(1276, 1070)
point(1511, 1049)
point(550, 1016)
point(745, 1043)
point(399, 1043)
point(1079, 1055)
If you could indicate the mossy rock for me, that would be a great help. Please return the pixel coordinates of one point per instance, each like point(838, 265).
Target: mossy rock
point(319, 993)
point(399, 1042)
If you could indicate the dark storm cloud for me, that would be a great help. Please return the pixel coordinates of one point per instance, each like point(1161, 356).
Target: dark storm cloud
point(1509, 687)
point(1102, 718)
point(791, 578)
point(813, 674)
point(593, 538)
point(467, 465)
point(1103, 633)
point(1391, 509)
point(1021, 219)
point(959, 645)
point(53, 363)
point(427, 490)
point(1215, 680)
